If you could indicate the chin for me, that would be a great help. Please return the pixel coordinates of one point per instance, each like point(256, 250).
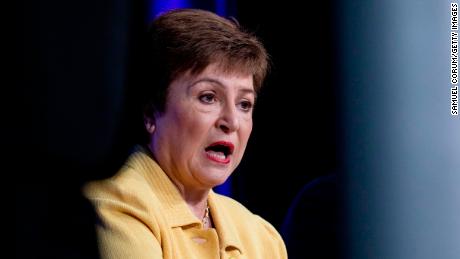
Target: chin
point(219, 178)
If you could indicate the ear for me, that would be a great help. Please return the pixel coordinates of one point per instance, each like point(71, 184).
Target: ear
point(149, 124)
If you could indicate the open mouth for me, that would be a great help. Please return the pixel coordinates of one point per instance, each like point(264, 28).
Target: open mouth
point(220, 151)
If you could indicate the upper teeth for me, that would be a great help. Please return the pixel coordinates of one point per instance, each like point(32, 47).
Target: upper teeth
point(218, 155)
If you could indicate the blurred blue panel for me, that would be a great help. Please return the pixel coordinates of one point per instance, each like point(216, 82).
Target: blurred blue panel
point(401, 144)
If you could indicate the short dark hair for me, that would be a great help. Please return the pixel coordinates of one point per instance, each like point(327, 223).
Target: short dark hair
point(188, 40)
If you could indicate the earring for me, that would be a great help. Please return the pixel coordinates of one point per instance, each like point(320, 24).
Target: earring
point(149, 125)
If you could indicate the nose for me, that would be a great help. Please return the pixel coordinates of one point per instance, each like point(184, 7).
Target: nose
point(228, 120)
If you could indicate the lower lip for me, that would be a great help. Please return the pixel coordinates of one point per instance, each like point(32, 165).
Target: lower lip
point(218, 160)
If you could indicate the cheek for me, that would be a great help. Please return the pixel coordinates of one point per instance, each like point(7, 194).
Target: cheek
point(248, 131)
point(194, 125)
point(245, 132)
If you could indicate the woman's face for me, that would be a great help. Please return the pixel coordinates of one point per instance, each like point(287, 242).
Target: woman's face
point(201, 137)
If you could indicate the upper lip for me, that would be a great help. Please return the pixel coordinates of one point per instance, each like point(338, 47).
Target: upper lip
point(228, 146)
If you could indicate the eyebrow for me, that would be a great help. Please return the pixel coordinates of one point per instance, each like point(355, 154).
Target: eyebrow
point(219, 83)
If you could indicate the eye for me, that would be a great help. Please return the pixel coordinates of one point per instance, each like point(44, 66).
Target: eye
point(208, 98)
point(246, 106)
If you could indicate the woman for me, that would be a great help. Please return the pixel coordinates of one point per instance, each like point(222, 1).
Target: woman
point(199, 119)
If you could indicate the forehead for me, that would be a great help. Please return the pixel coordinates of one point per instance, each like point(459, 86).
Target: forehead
point(214, 74)
point(218, 72)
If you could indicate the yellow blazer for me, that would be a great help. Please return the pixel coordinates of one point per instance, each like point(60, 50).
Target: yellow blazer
point(142, 215)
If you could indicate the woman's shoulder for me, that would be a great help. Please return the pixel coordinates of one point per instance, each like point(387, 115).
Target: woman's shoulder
point(129, 182)
point(126, 188)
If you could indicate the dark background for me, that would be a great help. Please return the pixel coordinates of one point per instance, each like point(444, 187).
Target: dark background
point(358, 88)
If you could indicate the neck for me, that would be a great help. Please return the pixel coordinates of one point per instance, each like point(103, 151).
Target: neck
point(198, 207)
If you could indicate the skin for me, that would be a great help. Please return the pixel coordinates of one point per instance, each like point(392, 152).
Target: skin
point(201, 110)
